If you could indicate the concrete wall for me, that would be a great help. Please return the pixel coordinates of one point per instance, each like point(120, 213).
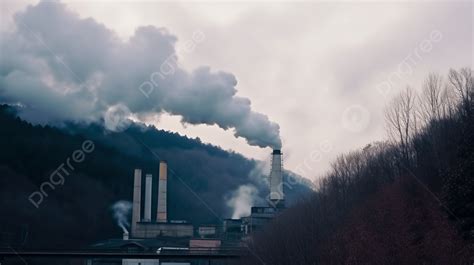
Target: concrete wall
point(152, 230)
point(204, 243)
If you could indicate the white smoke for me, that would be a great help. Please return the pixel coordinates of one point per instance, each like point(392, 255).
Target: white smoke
point(260, 173)
point(242, 200)
point(121, 211)
point(62, 67)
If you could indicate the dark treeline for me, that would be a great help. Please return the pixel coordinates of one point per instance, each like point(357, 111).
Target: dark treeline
point(408, 200)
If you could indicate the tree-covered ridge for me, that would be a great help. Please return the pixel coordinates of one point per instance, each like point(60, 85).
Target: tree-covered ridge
point(408, 200)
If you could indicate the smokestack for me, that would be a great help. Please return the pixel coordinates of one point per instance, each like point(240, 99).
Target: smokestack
point(161, 215)
point(148, 182)
point(125, 236)
point(276, 179)
point(137, 193)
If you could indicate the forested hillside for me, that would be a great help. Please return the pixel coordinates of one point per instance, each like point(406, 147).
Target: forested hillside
point(408, 200)
point(76, 209)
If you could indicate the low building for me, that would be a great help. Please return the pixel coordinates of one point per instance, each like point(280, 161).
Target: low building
point(170, 229)
point(258, 217)
point(149, 245)
point(205, 244)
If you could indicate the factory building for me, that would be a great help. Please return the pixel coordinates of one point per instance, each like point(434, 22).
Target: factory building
point(143, 226)
point(151, 233)
point(238, 229)
point(153, 230)
point(261, 215)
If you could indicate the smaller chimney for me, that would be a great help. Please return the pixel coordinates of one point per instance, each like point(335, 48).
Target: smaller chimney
point(125, 236)
point(161, 215)
point(137, 189)
point(148, 186)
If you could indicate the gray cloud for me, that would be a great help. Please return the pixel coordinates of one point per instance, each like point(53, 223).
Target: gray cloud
point(61, 67)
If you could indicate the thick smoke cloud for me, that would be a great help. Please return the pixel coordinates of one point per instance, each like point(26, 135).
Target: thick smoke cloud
point(62, 67)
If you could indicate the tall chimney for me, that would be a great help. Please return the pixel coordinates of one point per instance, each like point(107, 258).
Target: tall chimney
point(276, 188)
point(148, 183)
point(137, 193)
point(161, 215)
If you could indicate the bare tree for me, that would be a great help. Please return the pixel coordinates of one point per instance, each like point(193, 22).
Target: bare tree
point(430, 107)
point(401, 120)
point(462, 82)
point(448, 102)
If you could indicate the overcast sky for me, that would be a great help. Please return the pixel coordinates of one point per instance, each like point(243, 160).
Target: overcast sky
point(322, 71)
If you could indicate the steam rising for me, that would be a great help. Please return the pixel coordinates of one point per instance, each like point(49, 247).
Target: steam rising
point(61, 67)
point(242, 200)
point(121, 211)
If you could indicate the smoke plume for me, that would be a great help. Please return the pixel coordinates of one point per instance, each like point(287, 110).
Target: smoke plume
point(61, 67)
point(242, 200)
point(121, 211)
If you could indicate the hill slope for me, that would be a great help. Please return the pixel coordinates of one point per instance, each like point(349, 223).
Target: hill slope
point(77, 211)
